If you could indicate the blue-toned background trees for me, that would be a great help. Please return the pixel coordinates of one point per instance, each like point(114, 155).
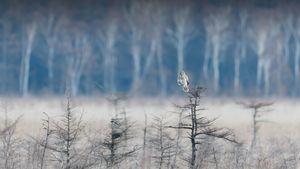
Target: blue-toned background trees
point(92, 47)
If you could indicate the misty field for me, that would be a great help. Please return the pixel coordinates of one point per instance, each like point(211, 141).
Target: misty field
point(277, 138)
point(206, 84)
point(285, 114)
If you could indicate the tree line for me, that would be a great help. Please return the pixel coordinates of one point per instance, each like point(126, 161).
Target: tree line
point(92, 47)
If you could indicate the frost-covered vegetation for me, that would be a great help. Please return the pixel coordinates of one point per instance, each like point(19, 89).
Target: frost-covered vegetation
point(144, 133)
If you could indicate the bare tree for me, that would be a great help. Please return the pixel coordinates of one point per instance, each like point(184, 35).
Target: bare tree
point(116, 144)
point(48, 132)
point(198, 126)
point(49, 26)
point(116, 101)
point(265, 39)
point(157, 16)
point(7, 41)
point(140, 15)
point(107, 39)
point(178, 141)
point(36, 147)
point(10, 143)
point(183, 32)
point(216, 24)
point(63, 143)
point(135, 17)
point(50, 35)
point(261, 40)
point(27, 44)
point(241, 46)
point(257, 108)
point(162, 143)
point(296, 35)
point(31, 154)
point(145, 162)
point(297, 54)
point(287, 18)
point(78, 54)
point(287, 22)
point(208, 153)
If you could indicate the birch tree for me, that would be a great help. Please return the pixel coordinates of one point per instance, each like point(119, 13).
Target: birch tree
point(183, 32)
point(7, 40)
point(216, 24)
point(287, 24)
point(79, 52)
point(49, 24)
point(284, 25)
point(50, 34)
point(297, 51)
point(28, 36)
point(107, 37)
point(261, 40)
point(266, 31)
point(135, 17)
point(157, 17)
point(241, 46)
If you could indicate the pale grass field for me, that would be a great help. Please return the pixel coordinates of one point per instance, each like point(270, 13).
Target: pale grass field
point(284, 119)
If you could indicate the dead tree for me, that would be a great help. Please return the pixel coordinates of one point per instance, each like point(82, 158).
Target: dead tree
point(36, 147)
point(146, 160)
point(64, 140)
point(48, 131)
point(257, 108)
point(31, 154)
point(162, 143)
point(177, 142)
point(199, 126)
point(115, 144)
point(116, 147)
point(9, 143)
point(115, 100)
point(145, 140)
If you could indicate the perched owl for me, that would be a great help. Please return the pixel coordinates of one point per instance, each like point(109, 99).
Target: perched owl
point(183, 81)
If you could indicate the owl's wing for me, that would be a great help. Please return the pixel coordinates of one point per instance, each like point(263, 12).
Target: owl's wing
point(186, 78)
point(180, 79)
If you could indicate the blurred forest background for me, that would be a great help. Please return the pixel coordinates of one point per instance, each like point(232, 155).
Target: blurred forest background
point(92, 47)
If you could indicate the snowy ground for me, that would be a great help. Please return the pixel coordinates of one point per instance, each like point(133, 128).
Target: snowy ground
point(284, 119)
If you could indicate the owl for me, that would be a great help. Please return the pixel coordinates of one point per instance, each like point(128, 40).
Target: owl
point(183, 81)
